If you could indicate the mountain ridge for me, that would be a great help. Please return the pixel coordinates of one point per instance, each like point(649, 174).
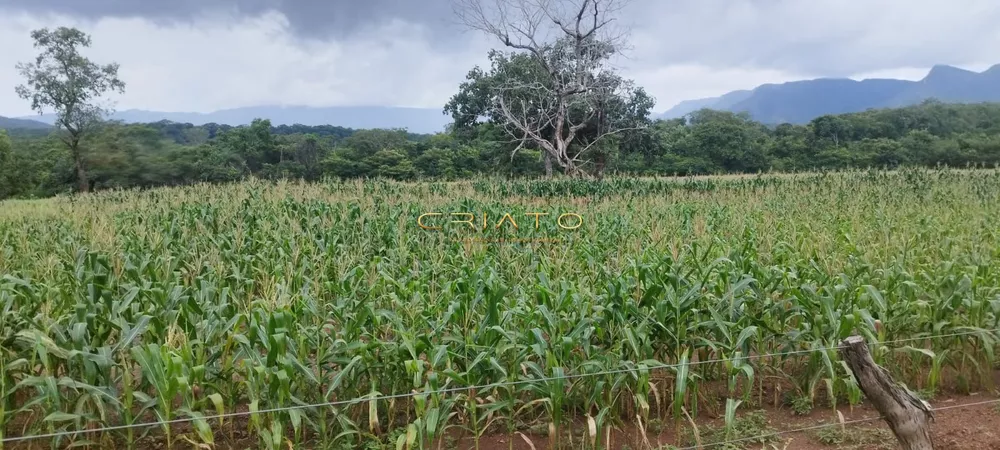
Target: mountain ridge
point(12, 123)
point(415, 120)
point(794, 102)
point(803, 100)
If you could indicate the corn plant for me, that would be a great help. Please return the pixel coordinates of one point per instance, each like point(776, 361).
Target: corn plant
point(123, 307)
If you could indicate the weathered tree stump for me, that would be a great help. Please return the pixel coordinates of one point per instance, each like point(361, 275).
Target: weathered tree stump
point(908, 416)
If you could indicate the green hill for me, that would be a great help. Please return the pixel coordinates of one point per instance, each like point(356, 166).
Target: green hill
point(8, 123)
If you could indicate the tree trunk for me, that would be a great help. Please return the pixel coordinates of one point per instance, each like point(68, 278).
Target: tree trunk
point(81, 172)
point(570, 169)
point(601, 164)
point(907, 416)
point(548, 164)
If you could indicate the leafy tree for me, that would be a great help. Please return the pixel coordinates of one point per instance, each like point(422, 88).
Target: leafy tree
point(283, 170)
point(732, 141)
point(62, 79)
point(346, 162)
point(442, 140)
point(789, 147)
point(134, 155)
point(391, 164)
point(254, 144)
point(372, 153)
point(621, 114)
point(131, 155)
point(436, 163)
point(308, 153)
point(369, 142)
point(40, 167)
point(6, 166)
point(219, 164)
point(879, 152)
point(547, 94)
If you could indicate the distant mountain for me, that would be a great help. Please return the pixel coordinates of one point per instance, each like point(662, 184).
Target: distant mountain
point(416, 120)
point(8, 123)
point(802, 101)
point(793, 102)
point(689, 106)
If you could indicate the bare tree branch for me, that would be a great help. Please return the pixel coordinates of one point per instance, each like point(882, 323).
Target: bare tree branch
point(572, 41)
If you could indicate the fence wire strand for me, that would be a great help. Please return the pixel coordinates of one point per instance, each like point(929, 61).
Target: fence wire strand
point(380, 397)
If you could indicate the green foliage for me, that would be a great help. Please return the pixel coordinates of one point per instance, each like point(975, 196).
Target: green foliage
point(255, 145)
point(711, 142)
point(368, 142)
point(7, 168)
point(183, 302)
point(732, 142)
point(62, 79)
point(436, 163)
point(391, 164)
point(522, 98)
point(751, 430)
point(346, 163)
point(802, 405)
point(855, 438)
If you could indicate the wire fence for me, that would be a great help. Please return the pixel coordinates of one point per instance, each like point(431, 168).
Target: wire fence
point(379, 397)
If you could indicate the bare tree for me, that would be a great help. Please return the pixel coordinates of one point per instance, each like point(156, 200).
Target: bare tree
point(572, 41)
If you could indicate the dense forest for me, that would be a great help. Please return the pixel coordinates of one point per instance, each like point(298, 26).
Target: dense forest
point(540, 108)
point(35, 163)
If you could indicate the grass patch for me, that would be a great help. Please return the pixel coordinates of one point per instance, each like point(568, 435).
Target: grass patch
point(752, 429)
point(857, 438)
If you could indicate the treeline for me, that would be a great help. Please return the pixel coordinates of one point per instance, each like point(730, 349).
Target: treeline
point(708, 142)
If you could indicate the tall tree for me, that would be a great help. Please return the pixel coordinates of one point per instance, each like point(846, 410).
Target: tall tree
point(6, 166)
point(308, 153)
point(732, 141)
point(255, 144)
point(62, 79)
point(550, 91)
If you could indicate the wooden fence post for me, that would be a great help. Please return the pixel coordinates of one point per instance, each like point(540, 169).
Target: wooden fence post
point(908, 416)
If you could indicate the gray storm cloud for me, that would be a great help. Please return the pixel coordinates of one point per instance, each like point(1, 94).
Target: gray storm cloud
point(822, 37)
point(319, 19)
point(413, 53)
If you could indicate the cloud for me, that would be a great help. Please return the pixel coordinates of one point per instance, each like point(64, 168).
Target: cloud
point(202, 55)
point(833, 37)
point(221, 61)
point(821, 37)
point(314, 19)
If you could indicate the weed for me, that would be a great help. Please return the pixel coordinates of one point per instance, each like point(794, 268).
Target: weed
point(802, 405)
point(857, 438)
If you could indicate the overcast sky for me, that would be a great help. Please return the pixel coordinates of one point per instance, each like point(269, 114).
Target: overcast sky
point(204, 55)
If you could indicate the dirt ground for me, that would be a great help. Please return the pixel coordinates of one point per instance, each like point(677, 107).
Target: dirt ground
point(966, 428)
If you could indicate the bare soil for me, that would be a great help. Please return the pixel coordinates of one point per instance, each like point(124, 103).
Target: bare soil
point(972, 428)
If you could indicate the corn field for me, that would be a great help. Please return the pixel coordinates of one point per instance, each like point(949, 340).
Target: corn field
point(128, 307)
